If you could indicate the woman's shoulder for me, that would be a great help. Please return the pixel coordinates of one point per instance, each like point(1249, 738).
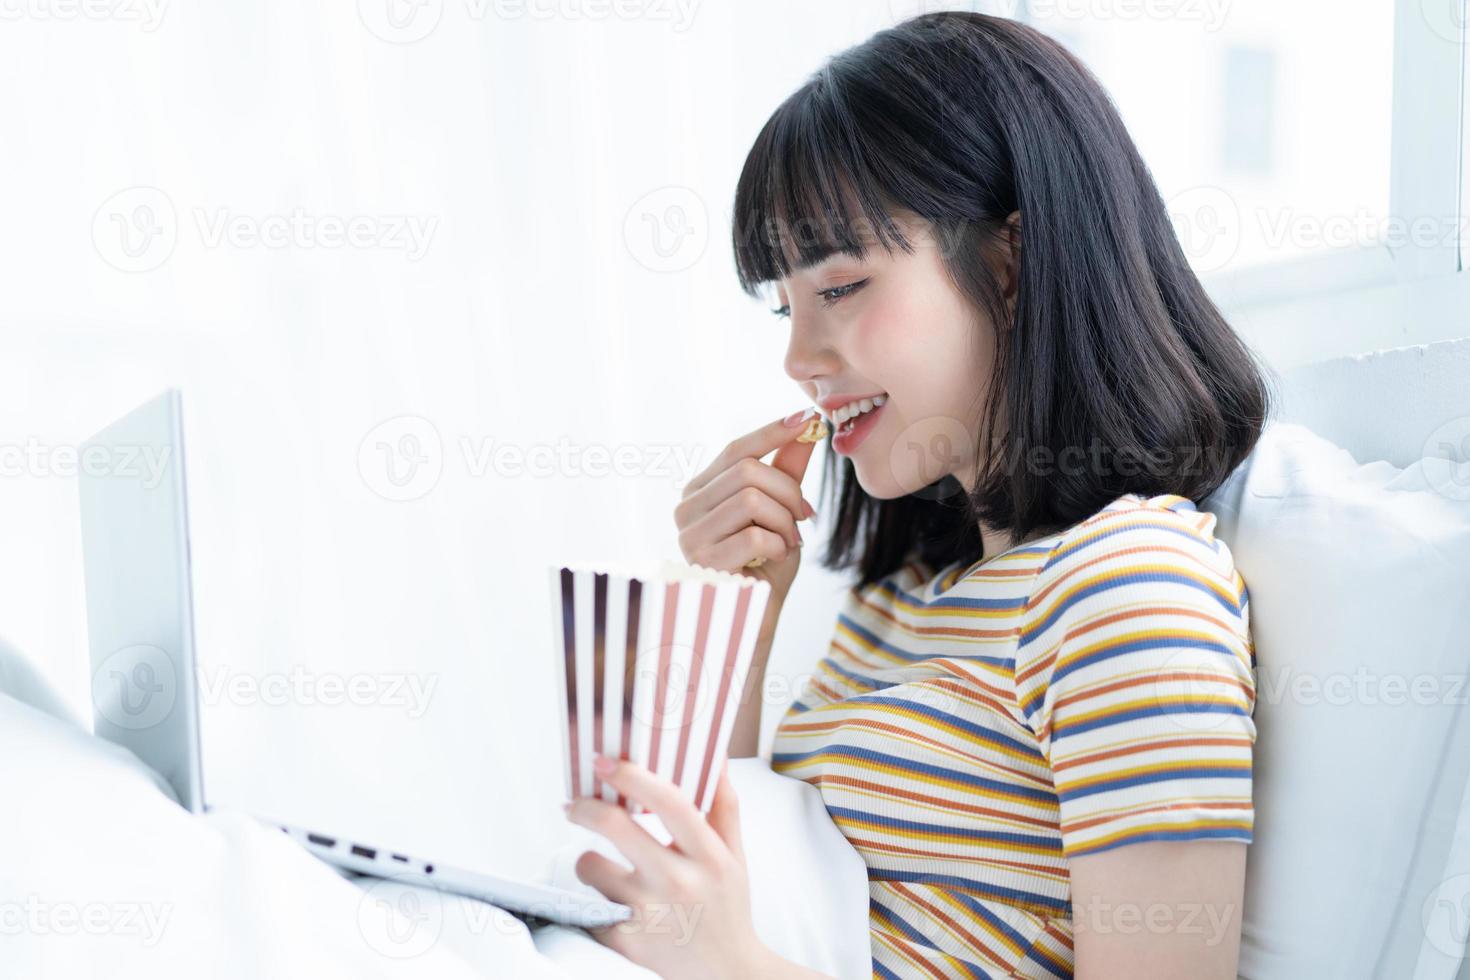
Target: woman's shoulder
point(1138, 551)
point(1165, 529)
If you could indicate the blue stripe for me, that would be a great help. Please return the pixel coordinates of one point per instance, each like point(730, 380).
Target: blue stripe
point(909, 932)
point(871, 638)
point(963, 887)
point(988, 735)
point(1198, 772)
point(1155, 642)
point(853, 676)
point(879, 970)
point(1198, 833)
point(992, 836)
point(1064, 730)
point(910, 765)
point(1122, 581)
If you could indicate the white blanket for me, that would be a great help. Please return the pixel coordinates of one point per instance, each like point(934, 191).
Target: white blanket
point(105, 875)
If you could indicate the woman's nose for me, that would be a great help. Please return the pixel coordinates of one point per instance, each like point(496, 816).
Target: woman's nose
point(808, 352)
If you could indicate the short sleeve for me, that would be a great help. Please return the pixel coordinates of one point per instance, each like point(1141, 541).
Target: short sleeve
point(1136, 671)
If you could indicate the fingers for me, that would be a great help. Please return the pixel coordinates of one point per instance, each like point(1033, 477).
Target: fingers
point(724, 814)
point(731, 554)
point(618, 826)
point(752, 445)
point(606, 875)
point(745, 473)
point(792, 459)
point(745, 507)
point(688, 827)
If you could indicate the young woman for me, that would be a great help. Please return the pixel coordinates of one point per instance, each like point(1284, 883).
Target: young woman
point(1034, 721)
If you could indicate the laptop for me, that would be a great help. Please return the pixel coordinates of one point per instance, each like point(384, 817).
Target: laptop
point(145, 692)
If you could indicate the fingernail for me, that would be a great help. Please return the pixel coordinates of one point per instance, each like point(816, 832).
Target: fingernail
point(602, 765)
point(810, 510)
point(797, 418)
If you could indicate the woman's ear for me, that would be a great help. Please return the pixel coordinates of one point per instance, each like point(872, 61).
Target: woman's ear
point(1012, 279)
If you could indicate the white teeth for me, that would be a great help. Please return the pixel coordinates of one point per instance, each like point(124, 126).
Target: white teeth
point(853, 409)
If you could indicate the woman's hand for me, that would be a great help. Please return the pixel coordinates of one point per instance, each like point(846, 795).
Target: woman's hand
point(739, 508)
point(691, 899)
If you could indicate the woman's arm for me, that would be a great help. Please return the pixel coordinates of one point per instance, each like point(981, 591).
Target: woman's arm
point(746, 733)
point(1157, 910)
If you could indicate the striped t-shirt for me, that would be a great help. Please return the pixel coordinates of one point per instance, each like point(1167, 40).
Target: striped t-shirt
point(971, 729)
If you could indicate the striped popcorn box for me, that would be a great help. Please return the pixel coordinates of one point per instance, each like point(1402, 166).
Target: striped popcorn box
point(650, 666)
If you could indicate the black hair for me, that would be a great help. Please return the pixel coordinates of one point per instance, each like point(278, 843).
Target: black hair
point(962, 119)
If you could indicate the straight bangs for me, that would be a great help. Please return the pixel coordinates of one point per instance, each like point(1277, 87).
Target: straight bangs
point(808, 190)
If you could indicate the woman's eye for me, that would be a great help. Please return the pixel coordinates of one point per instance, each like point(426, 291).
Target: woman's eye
point(830, 296)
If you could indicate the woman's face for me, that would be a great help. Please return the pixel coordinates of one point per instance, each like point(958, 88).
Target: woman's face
point(893, 324)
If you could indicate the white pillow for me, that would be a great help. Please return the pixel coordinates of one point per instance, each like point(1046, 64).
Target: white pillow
point(1357, 584)
point(808, 887)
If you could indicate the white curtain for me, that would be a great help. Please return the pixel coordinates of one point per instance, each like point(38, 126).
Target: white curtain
point(344, 247)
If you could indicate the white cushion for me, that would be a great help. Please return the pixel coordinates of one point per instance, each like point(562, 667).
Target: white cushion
point(115, 879)
point(1357, 577)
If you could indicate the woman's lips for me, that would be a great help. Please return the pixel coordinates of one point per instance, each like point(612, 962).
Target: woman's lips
point(850, 435)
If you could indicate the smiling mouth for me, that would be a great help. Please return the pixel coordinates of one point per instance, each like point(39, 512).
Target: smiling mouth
point(846, 417)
